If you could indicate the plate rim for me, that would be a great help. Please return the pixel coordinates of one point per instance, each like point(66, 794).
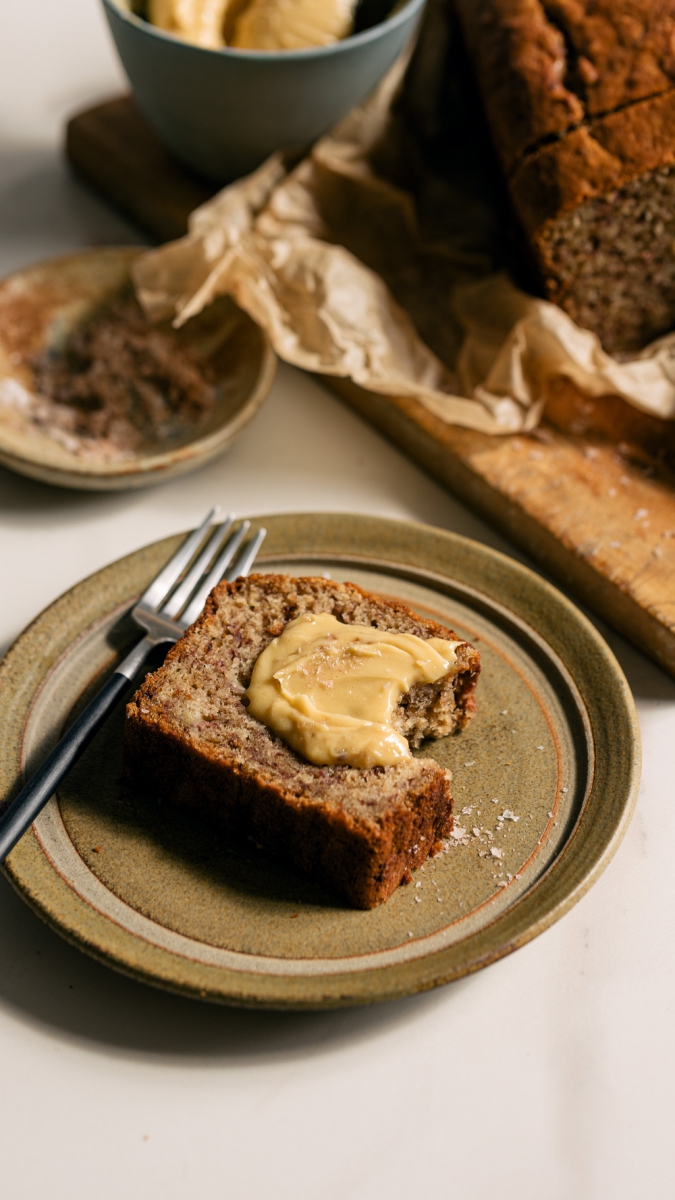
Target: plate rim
point(298, 535)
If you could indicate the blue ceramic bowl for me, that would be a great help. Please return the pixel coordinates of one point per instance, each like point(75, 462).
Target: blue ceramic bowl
point(222, 112)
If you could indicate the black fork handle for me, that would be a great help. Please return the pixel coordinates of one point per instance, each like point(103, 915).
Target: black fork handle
point(35, 794)
point(33, 797)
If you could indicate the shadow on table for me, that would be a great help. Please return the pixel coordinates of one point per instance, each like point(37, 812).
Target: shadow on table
point(48, 983)
point(22, 498)
point(646, 680)
point(45, 210)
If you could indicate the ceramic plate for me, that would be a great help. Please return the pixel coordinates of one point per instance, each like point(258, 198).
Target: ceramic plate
point(544, 782)
point(42, 305)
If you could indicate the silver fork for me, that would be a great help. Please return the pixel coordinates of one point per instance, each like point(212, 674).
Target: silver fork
point(164, 611)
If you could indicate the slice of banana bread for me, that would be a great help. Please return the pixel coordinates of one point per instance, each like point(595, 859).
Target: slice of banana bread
point(189, 739)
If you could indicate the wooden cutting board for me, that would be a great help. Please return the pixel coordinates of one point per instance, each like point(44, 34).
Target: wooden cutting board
point(590, 495)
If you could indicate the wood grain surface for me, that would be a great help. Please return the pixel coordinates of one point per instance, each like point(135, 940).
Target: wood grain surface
point(590, 494)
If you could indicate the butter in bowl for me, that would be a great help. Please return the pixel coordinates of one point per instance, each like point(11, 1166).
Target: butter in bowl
point(226, 83)
point(254, 24)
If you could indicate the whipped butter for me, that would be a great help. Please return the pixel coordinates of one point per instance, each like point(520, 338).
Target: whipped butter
point(254, 24)
point(197, 21)
point(292, 24)
point(331, 690)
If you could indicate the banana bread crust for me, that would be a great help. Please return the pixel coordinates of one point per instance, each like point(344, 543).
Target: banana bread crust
point(580, 99)
point(190, 740)
point(546, 67)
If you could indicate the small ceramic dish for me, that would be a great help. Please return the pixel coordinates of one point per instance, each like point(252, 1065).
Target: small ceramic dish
point(42, 305)
point(544, 782)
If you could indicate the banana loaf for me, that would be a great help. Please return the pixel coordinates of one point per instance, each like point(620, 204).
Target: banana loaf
point(190, 739)
point(580, 99)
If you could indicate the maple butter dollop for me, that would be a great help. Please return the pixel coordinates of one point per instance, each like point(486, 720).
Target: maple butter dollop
point(330, 690)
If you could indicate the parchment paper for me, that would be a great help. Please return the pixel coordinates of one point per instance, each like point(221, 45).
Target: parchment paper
point(365, 262)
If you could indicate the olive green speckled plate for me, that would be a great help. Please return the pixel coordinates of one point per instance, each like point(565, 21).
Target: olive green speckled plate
point(544, 783)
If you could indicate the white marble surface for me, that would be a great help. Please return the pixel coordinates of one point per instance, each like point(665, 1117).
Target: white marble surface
point(550, 1074)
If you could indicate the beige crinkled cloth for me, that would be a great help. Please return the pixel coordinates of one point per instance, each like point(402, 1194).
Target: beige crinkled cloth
point(329, 258)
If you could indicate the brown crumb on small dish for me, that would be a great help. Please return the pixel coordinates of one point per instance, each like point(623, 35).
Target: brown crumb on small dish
point(117, 384)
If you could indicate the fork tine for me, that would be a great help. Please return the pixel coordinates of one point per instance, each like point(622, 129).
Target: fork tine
point(246, 559)
point(161, 585)
point(186, 587)
point(215, 574)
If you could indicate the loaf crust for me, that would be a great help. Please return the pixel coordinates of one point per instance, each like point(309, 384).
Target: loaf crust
point(580, 99)
point(547, 66)
point(190, 740)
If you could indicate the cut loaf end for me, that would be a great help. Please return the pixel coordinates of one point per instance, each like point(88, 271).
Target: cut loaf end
point(610, 262)
point(190, 740)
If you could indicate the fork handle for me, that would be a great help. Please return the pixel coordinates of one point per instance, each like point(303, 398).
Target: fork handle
point(33, 797)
